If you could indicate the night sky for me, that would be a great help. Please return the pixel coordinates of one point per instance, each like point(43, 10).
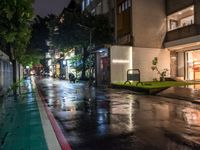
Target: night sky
point(45, 7)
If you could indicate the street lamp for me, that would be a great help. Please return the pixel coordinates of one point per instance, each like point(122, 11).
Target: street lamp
point(87, 28)
point(90, 44)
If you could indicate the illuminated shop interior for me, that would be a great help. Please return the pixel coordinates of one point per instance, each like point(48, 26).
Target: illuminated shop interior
point(193, 65)
point(181, 18)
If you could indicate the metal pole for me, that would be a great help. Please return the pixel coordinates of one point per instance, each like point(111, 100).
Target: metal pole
point(90, 36)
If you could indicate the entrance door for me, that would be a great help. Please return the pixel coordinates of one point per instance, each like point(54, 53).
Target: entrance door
point(104, 66)
point(193, 65)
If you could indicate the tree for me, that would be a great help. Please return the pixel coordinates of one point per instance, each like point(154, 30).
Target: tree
point(102, 32)
point(31, 58)
point(82, 30)
point(39, 34)
point(15, 31)
point(69, 35)
point(38, 43)
point(154, 67)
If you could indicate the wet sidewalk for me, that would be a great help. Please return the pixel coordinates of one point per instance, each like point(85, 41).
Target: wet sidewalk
point(189, 93)
point(21, 127)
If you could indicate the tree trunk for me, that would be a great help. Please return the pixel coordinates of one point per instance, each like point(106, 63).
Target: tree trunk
point(14, 63)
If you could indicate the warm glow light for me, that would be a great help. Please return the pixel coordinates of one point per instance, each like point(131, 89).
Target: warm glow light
point(51, 73)
point(130, 57)
point(49, 62)
point(120, 61)
point(64, 62)
point(32, 72)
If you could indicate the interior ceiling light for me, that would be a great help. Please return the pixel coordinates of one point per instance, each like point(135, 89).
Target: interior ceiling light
point(180, 13)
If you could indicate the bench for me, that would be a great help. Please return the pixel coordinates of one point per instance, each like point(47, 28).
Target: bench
point(133, 75)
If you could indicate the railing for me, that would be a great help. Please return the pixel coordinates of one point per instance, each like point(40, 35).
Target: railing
point(5, 74)
point(183, 32)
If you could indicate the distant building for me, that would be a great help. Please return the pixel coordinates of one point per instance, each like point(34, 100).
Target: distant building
point(102, 64)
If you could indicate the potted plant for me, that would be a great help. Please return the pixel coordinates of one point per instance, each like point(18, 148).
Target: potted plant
point(162, 73)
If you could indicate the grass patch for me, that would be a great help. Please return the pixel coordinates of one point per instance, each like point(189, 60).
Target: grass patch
point(154, 84)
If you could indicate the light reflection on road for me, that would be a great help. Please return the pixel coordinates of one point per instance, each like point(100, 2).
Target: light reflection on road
point(119, 120)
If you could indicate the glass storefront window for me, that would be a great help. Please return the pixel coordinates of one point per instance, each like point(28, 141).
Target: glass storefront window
point(181, 18)
point(193, 65)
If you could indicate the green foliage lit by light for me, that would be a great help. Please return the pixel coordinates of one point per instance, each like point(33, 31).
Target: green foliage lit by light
point(154, 67)
point(154, 85)
point(15, 31)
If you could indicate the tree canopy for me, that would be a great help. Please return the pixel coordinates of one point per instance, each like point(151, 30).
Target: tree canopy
point(74, 27)
point(85, 31)
point(15, 31)
point(39, 34)
point(38, 42)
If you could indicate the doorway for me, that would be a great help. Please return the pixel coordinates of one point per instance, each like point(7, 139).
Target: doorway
point(193, 65)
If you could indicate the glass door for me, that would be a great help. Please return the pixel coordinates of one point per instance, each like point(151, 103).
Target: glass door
point(193, 65)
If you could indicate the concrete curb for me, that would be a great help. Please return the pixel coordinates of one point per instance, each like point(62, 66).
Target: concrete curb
point(49, 133)
point(60, 137)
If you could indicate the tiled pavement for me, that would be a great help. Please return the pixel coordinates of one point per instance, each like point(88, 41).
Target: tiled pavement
point(20, 122)
point(189, 93)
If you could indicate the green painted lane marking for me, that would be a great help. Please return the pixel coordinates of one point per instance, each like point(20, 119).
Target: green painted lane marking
point(21, 127)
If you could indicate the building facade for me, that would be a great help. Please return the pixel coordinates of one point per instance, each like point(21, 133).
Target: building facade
point(141, 26)
point(166, 29)
point(183, 38)
point(102, 53)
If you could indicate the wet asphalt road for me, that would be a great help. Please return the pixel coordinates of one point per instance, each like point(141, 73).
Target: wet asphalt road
point(108, 119)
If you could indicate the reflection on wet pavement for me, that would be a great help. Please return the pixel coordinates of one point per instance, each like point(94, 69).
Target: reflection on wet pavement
point(188, 92)
point(107, 119)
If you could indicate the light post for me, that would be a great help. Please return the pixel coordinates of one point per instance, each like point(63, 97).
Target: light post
point(89, 47)
point(89, 29)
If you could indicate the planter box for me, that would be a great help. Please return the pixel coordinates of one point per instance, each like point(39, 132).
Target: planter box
point(139, 89)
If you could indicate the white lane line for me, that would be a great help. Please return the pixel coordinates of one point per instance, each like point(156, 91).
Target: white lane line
point(49, 133)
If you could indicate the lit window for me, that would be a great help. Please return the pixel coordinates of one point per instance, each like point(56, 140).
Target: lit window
point(62, 19)
point(181, 18)
point(126, 5)
point(99, 8)
point(83, 5)
point(93, 12)
point(119, 9)
point(87, 2)
point(123, 6)
point(129, 3)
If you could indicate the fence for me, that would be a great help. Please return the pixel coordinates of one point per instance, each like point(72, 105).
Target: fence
point(5, 74)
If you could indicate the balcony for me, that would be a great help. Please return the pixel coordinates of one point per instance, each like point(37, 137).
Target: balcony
point(184, 32)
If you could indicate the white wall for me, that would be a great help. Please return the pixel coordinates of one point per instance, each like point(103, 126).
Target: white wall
point(149, 23)
point(121, 61)
point(142, 59)
point(181, 64)
point(105, 6)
